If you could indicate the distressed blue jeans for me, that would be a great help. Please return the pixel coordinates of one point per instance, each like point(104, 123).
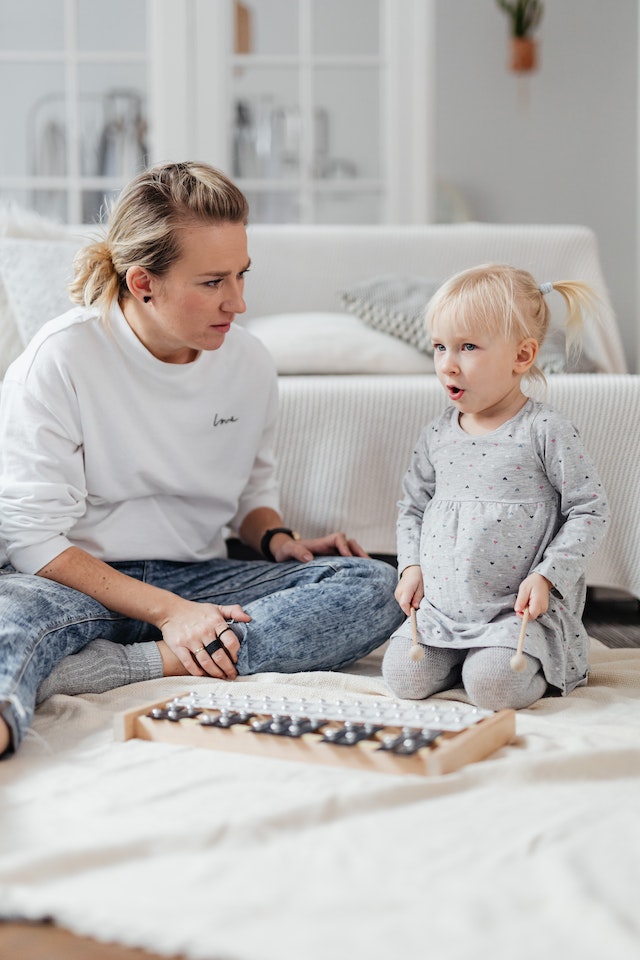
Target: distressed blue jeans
point(319, 615)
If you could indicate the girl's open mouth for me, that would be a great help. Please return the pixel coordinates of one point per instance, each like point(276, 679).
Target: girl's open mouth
point(455, 392)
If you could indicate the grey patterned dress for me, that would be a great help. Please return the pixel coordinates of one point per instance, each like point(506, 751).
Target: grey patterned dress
point(480, 513)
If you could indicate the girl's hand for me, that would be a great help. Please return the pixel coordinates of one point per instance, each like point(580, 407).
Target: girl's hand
point(533, 593)
point(284, 547)
point(189, 628)
point(410, 589)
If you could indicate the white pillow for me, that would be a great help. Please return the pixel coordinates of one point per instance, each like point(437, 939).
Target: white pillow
point(11, 345)
point(332, 343)
point(36, 275)
point(16, 221)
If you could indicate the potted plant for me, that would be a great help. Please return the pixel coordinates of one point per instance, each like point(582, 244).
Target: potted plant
point(525, 15)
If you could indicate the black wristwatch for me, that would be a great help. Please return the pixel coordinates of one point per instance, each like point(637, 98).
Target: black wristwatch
point(266, 540)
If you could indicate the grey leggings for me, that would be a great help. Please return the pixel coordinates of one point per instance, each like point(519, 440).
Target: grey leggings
point(485, 673)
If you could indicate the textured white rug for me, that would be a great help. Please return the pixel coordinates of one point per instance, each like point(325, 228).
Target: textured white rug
point(532, 852)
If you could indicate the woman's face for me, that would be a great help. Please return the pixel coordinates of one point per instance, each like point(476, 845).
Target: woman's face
point(194, 304)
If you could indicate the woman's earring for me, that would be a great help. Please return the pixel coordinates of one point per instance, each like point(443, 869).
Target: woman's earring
point(146, 299)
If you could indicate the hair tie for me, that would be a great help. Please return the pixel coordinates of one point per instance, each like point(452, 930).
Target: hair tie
point(545, 288)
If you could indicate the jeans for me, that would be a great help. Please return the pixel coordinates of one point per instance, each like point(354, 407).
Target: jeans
point(319, 615)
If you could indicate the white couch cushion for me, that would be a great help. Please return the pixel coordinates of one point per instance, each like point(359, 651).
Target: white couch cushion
point(326, 343)
point(10, 341)
point(15, 221)
point(35, 275)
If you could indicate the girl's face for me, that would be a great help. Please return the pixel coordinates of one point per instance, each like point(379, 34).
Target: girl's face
point(480, 374)
point(194, 304)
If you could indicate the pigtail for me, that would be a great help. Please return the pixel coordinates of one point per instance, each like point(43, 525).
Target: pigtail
point(581, 301)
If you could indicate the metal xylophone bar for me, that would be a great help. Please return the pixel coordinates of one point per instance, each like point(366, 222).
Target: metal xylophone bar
point(442, 715)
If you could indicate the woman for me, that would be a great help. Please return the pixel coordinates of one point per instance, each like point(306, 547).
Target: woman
point(134, 430)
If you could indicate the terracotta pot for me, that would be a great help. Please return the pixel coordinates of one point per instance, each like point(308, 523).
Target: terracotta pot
point(524, 54)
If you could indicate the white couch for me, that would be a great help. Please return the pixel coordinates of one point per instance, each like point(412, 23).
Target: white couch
point(345, 437)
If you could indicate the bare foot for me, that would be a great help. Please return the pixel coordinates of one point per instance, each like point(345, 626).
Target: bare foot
point(171, 666)
point(5, 736)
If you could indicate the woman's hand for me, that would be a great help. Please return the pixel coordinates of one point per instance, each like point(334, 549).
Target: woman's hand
point(533, 593)
point(410, 589)
point(189, 628)
point(284, 547)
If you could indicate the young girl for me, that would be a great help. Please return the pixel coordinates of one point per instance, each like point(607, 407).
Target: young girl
point(501, 509)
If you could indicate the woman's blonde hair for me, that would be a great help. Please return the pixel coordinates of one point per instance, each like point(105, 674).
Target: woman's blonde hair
point(499, 299)
point(144, 227)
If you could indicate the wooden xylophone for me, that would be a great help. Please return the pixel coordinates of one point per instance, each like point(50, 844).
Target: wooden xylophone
point(425, 738)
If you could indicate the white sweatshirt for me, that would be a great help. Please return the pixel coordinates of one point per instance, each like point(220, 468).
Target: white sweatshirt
point(105, 447)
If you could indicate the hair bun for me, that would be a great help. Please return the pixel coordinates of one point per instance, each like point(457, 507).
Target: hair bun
point(100, 252)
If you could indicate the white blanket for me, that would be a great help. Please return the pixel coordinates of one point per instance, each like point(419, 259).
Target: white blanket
point(533, 852)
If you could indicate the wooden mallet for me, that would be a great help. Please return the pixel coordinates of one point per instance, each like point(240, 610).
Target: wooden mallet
point(416, 652)
point(518, 661)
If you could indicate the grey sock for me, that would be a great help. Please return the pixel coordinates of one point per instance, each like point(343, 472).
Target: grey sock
point(102, 665)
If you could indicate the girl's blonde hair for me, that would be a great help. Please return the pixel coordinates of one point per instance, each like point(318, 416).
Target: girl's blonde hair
point(144, 227)
point(499, 299)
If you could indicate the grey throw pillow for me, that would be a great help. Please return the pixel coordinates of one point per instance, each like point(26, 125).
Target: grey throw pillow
point(394, 305)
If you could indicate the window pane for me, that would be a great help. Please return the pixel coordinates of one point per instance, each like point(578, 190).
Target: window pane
point(100, 26)
point(346, 27)
point(347, 148)
point(273, 207)
point(348, 208)
point(51, 204)
point(272, 26)
point(113, 119)
point(32, 110)
point(95, 203)
point(266, 124)
point(31, 25)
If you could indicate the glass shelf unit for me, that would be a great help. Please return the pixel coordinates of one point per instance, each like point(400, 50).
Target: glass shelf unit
point(73, 97)
point(306, 109)
point(320, 109)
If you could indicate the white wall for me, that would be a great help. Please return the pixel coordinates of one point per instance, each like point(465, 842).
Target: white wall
point(558, 147)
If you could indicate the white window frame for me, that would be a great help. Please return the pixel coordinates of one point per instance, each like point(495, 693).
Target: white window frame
point(190, 97)
point(73, 184)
